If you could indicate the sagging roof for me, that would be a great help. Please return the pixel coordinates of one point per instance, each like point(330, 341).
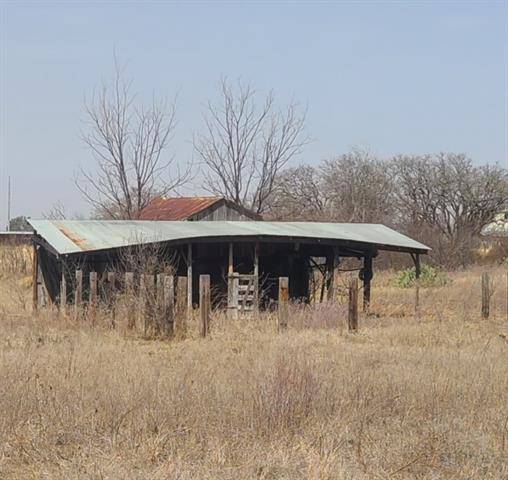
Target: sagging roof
point(185, 208)
point(76, 236)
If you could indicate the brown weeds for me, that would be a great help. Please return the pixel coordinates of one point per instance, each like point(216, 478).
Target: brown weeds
point(406, 397)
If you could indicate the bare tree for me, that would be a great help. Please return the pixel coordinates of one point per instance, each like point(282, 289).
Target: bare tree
point(299, 195)
point(57, 211)
point(359, 188)
point(128, 143)
point(450, 199)
point(247, 144)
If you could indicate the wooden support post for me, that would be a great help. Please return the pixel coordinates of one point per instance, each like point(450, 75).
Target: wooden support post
point(189, 279)
point(230, 260)
point(283, 302)
point(232, 285)
point(335, 274)
point(353, 305)
point(141, 301)
point(160, 305)
point(63, 293)
point(485, 295)
point(256, 277)
point(367, 277)
point(78, 292)
point(111, 297)
point(180, 322)
point(92, 299)
point(418, 271)
point(129, 300)
point(169, 304)
point(148, 304)
point(35, 278)
point(329, 276)
point(204, 303)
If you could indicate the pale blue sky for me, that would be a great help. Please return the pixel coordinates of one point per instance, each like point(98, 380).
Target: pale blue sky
point(397, 77)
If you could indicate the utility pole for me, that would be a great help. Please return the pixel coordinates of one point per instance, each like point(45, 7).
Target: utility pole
point(8, 203)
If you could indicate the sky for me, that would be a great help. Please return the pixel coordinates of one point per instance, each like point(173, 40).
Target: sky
point(393, 77)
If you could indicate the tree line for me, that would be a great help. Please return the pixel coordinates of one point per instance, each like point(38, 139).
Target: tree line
point(245, 152)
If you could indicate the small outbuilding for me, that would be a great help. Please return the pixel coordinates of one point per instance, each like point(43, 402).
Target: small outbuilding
point(195, 208)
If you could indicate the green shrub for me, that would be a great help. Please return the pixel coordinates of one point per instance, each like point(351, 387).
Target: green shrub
point(429, 277)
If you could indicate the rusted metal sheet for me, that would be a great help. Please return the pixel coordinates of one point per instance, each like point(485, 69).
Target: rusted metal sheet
point(195, 208)
point(178, 208)
point(96, 235)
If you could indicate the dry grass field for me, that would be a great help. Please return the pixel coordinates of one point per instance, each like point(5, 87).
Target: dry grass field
point(406, 397)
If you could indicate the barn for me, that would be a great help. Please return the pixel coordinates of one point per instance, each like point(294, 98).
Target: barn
point(195, 208)
point(239, 256)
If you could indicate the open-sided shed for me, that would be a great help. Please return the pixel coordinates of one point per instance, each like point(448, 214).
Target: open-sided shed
point(263, 251)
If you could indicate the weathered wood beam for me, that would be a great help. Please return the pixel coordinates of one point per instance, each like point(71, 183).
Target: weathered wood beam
point(283, 303)
point(35, 278)
point(189, 278)
point(204, 303)
point(367, 275)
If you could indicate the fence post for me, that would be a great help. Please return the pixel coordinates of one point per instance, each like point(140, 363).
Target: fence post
point(129, 304)
point(353, 305)
point(159, 303)
point(204, 303)
point(78, 293)
point(63, 293)
point(283, 302)
point(168, 305)
point(485, 295)
point(111, 300)
point(148, 303)
point(92, 299)
point(141, 300)
point(180, 322)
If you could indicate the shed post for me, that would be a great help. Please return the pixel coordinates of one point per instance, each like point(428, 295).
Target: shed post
point(129, 304)
point(204, 303)
point(256, 277)
point(180, 322)
point(63, 292)
point(418, 270)
point(189, 278)
point(232, 285)
point(330, 259)
point(111, 297)
point(367, 277)
point(35, 278)
point(92, 299)
point(78, 293)
point(148, 302)
point(169, 303)
point(141, 300)
point(283, 303)
point(160, 305)
point(353, 305)
point(335, 273)
point(230, 259)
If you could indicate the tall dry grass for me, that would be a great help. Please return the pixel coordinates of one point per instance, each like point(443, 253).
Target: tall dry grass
point(407, 397)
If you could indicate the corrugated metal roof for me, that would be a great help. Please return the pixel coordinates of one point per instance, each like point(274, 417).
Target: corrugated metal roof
point(176, 208)
point(75, 236)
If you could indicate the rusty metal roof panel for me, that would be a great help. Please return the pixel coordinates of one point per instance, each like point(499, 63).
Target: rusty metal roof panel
point(76, 236)
point(176, 208)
